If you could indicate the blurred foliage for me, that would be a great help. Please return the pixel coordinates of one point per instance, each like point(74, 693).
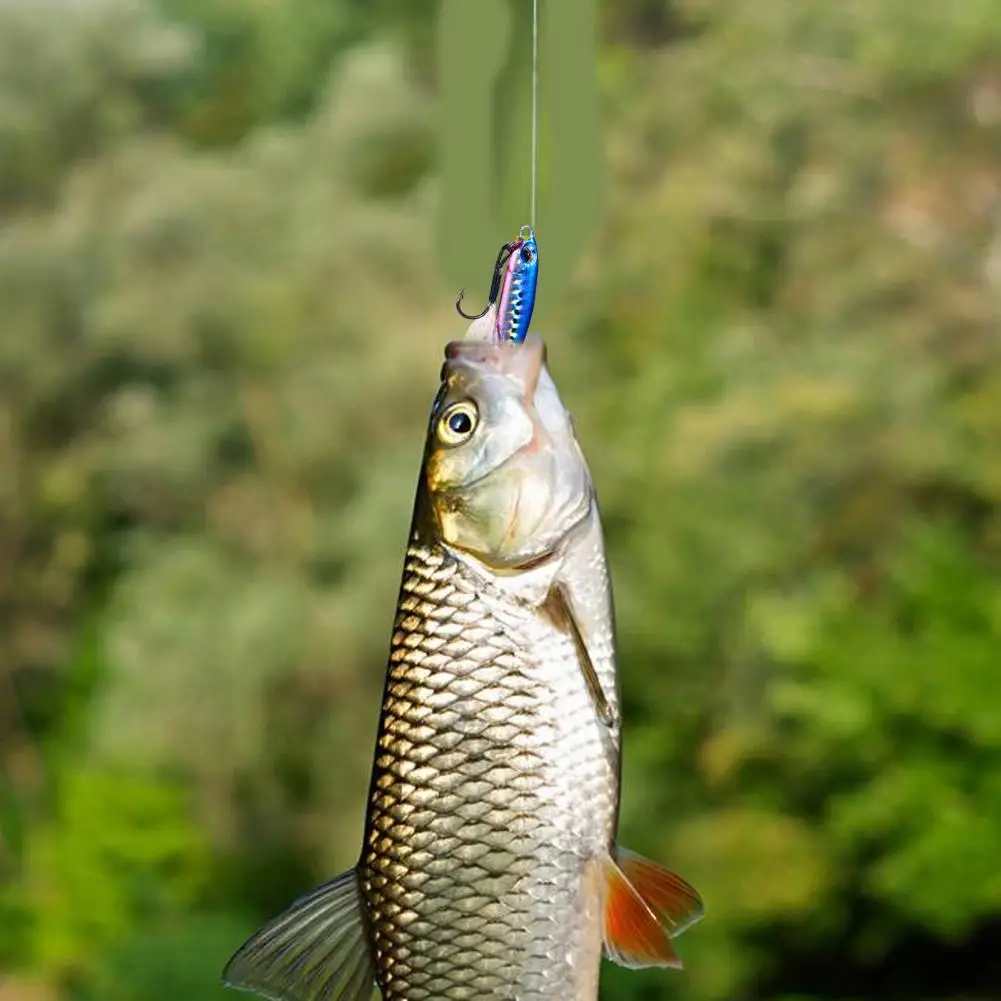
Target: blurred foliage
point(262, 60)
point(118, 850)
point(222, 326)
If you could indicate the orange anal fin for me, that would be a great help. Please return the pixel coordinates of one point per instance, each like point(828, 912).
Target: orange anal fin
point(676, 904)
point(633, 935)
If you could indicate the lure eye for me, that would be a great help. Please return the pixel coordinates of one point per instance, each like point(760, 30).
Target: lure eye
point(458, 423)
point(527, 254)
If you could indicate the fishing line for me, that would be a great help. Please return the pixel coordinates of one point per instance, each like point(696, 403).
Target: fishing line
point(535, 108)
point(516, 271)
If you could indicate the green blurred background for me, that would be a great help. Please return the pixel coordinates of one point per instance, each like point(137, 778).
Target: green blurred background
point(221, 322)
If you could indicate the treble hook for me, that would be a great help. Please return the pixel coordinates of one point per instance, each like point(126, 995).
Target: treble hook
point(495, 284)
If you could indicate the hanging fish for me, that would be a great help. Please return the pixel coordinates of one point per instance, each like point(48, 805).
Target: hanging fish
point(489, 867)
point(515, 278)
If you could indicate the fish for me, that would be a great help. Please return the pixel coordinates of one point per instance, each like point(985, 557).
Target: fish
point(489, 867)
point(515, 279)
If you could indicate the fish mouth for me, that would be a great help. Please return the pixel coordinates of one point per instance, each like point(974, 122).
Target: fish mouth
point(524, 361)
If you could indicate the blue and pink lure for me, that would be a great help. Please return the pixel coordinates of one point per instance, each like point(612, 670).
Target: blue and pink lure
point(516, 276)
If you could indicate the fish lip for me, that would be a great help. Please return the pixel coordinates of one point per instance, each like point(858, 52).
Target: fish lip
point(525, 360)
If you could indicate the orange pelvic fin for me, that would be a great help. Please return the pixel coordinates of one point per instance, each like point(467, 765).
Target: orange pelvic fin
point(645, 906)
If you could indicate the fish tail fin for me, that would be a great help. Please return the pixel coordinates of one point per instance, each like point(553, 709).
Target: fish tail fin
point(645, 906)
point(317, 948)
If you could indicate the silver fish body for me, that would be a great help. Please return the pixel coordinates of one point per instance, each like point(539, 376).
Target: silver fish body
point(495, 789)
point(489, 868)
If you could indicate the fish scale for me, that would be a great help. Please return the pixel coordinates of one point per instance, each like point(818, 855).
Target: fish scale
point(479, 744)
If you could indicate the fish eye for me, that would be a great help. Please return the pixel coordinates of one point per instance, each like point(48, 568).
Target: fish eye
point(527, 255)
point(458, 423)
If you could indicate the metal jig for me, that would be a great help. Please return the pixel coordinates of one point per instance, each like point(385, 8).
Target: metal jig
point(517, 294)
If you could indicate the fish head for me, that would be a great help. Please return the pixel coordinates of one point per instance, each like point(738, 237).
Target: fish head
point(505, 476)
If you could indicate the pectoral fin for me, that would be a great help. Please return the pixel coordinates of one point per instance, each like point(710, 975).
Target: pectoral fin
point(645, 906)
point(559, 609)
point(316, 950)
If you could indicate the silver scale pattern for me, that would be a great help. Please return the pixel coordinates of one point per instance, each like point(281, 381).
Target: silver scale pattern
point(493, 790)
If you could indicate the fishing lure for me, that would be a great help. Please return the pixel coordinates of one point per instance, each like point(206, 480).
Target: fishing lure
point(515, 278)
point(517, 301)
